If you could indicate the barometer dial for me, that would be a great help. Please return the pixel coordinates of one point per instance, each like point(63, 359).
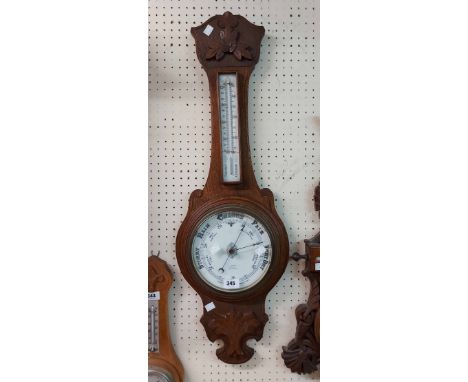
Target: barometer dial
point(159, 375)
point(231, 251)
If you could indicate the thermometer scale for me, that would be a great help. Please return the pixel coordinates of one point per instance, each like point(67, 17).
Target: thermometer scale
point(153, 323)
point(229, 121)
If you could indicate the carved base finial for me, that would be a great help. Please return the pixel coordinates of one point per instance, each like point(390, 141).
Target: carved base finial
point(234, 328)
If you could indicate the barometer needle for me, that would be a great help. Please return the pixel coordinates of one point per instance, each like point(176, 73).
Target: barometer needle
point(251, 245)
point(232, 250)
point(222, 268)
point(243, 226)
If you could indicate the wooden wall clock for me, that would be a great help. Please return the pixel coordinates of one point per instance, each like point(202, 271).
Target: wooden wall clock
point(232, 246)
point(163, 363)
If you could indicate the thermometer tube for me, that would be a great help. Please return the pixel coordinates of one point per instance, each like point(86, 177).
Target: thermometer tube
point(229, 121)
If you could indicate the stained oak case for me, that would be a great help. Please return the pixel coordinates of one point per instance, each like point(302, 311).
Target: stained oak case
point(164, 361)
point(233, 46)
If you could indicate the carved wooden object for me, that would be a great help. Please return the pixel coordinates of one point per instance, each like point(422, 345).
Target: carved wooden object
point(302, 354)
point(231, 44)
point(164, 361)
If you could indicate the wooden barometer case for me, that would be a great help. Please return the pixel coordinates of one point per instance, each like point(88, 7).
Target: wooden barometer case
point(163, 363)
point(232, 247)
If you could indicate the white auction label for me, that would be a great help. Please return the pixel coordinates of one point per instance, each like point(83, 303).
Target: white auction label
point(210, 306)
point(317, 266)
point(208, 29)
point(231, 283)
point(153, 296)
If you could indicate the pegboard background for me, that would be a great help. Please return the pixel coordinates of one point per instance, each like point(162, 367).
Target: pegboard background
point(284, 140)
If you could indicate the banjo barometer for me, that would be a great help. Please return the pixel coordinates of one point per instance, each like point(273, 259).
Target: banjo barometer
point(232, 246)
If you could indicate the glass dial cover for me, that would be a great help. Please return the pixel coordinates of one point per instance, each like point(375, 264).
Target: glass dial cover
point(231, 251)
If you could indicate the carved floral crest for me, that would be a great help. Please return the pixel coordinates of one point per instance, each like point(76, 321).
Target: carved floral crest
point(228, 41)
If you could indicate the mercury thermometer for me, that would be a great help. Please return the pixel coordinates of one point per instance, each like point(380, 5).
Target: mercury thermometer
point(229, 120)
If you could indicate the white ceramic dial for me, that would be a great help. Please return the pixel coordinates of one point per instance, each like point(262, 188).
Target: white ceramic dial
point(231, 251)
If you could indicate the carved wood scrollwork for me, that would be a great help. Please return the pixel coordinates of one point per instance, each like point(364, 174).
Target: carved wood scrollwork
point(302, 354)
point(228, 41)
point(234, 328)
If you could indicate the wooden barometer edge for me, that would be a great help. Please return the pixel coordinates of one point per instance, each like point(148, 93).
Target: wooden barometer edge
point(160, 280)
point(231, 44)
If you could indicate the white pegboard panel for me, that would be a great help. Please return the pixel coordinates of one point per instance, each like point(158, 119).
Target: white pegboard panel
point(284, 132)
